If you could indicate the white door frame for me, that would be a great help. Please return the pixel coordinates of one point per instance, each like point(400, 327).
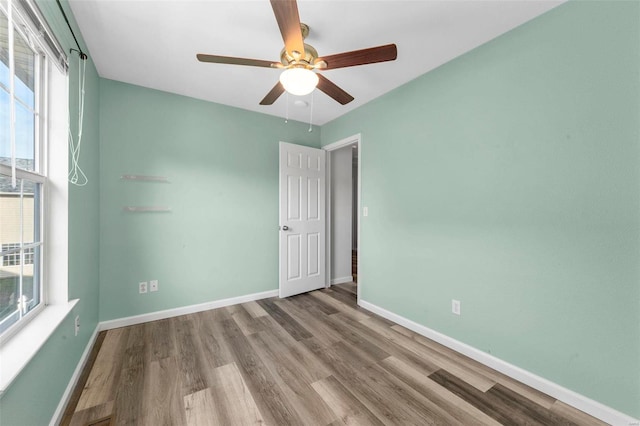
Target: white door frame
point(355, 139)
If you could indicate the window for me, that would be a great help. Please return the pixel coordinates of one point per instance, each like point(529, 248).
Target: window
point(12, 255)
point(34, 189)
point(23, 167)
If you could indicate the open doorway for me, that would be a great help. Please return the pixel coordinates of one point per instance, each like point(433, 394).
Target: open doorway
point(354, 214)
point(343, 201)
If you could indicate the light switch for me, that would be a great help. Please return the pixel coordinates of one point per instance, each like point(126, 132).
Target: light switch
point(365, 211)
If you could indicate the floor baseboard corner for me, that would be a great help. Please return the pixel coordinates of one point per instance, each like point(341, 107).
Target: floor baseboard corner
point(57, 415)
point(574, 399)
point(184, 310)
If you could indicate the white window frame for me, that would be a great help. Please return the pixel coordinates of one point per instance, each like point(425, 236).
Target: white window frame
point(19, 347)
point(24, 320)
point(39, 174)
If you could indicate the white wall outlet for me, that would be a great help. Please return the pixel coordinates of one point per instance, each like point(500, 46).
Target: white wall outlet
point(142, 287)
point(365, 211)
point(455, 306)
point(153, 285)
point(76, 325)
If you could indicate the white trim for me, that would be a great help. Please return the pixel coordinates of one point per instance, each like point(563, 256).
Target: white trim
point(52, 172)
point(354, 139)
point(56, 236)
point(170, 313)
point(343, 142)
point(581, 402)
point(359, 248)
point(328, 222)
point(57, 416)
point(16, 353)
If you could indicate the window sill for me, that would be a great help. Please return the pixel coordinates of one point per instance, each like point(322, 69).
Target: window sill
point(16, 353)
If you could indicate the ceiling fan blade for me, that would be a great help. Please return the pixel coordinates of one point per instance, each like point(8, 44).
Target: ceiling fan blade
point(274, 94)
point(236, 61)
point(286, 12)
point(328, 87)
point(388, 52)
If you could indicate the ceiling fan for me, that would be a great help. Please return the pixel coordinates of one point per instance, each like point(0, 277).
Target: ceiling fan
point(299, 60)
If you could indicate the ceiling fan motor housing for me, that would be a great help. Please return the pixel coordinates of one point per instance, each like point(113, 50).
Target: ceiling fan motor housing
point(303, 61)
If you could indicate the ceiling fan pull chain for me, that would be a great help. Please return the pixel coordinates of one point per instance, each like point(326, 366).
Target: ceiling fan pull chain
point(286, 119)
point(311, 114)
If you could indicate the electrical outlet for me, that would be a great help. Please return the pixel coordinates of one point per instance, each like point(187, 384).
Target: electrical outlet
point(455, 306)
point(76, 325)
point(153, 285)
point(142, 287)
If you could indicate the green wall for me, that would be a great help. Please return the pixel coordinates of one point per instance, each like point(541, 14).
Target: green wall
point(509, 179)
point(35, 394)
point(220, 239)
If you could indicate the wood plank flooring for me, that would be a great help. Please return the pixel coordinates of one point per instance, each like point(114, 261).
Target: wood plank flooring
point(312, 359)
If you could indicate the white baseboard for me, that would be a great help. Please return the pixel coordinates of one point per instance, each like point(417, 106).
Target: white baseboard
point(57, 416)
point(170, 313)
point(138, 319)
point(582, 403)
point(341, 280)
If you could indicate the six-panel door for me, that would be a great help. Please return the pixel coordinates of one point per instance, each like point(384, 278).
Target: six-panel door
point(302, 219)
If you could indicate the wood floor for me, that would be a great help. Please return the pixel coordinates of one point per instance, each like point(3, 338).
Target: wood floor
point(312, 359)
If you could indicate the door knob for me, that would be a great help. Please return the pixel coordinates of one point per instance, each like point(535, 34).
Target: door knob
point(285, 228)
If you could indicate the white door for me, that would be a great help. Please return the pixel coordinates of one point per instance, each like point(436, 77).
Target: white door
point(302, 219)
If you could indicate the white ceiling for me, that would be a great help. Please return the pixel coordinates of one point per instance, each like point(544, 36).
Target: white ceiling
point(153, 43)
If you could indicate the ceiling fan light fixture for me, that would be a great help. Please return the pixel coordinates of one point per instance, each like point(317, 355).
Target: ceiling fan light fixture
point(299, 81)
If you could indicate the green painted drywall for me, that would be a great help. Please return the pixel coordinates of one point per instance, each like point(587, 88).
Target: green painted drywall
point(509, 179)
point(510, 176)
point(35, 394)
point(220, 239)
